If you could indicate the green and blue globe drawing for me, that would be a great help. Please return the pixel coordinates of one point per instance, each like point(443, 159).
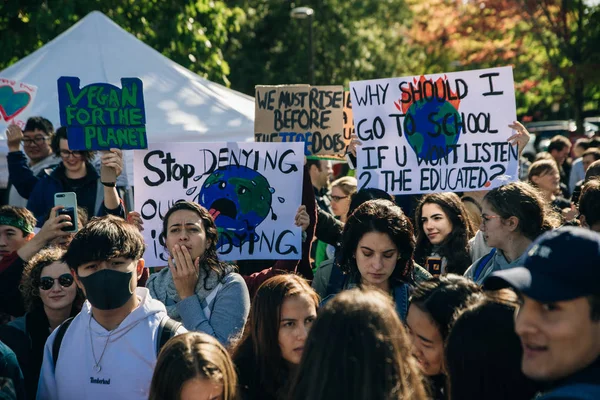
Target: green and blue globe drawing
point(437, 125)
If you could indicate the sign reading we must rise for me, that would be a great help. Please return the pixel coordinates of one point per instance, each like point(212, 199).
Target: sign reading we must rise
point(101, 116)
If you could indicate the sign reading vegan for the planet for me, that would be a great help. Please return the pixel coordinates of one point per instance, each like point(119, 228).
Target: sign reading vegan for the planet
point(101, 116)
point(436, 133)
point(301, 113)
point(244, 186)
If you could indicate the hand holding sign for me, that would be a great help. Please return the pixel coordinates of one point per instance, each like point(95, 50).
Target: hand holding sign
point(521, 138)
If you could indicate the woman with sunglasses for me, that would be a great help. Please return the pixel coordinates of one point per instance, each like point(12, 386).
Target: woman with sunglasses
point(75, 173)
point(50, 298)
point(513, 216)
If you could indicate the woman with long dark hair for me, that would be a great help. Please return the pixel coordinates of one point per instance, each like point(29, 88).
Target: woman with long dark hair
point(432, 306)
point(377, 251)
point(443, 233)
point(358, 349)
point(283, 311)
point(483, 352)
point(50, 297)
point(198, 289)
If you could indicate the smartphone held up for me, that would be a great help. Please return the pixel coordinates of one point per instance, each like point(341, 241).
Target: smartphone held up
point(69, 202)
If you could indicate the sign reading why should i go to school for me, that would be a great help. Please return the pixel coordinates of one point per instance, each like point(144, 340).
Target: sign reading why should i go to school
point(16, 100)
point(302, 113)
point(101, 116)
point(435, 133)
point(245, 187)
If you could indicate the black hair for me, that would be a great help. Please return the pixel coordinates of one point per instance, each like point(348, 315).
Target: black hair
point(61, 133)
point(367, 194)
point(589, 201)
point(381, 216)
point(209, 260)
point(442, 296)
point(105, 238)
point(39, 123)
point(483, 352)
point(594, 301)
point(456, 245)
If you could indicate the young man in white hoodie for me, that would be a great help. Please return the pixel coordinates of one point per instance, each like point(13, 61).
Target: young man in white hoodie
point(109, 349)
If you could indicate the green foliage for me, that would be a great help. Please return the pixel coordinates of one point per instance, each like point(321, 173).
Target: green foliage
point(189, 32)
point(352, 40)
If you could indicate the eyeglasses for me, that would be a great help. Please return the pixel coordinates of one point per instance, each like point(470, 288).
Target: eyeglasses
point(37, 140)
point(486, 218)
point(338, 198)
point(66, 154)
point(46, 282)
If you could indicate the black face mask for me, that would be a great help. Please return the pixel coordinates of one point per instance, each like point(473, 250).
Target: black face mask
point(107, 289)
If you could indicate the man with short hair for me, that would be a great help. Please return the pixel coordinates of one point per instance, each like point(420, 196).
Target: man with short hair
point(589, 158)
point(560, 148)
point(558, 320)
point(589, 205)
point(109, 349)
point(320, 172)
point(23, 167)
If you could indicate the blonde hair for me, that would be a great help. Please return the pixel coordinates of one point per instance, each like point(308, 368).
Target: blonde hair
point(348, 185)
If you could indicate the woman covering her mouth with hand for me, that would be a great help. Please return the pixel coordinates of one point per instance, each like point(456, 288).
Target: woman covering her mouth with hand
point(198, 289)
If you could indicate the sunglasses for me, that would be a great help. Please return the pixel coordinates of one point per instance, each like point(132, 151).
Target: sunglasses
point(46, 282)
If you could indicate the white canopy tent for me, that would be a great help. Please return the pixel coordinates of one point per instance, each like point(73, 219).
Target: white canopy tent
point(180, 105)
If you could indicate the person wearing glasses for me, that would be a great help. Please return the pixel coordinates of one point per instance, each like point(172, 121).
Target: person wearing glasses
point(18, 244)
point(37, 154)
point(342, 190)
point(76, 174)
point(513, 216)
point(50, 298)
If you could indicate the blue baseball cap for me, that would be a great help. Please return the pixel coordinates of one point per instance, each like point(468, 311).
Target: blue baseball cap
point(560, 265)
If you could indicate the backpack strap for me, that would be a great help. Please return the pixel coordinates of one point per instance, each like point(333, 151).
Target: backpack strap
point(166, 330)
point(482, 263)
point(62, 329)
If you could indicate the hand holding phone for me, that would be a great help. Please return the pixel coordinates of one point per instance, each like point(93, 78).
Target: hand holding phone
point(69, 202)
point(434, 265)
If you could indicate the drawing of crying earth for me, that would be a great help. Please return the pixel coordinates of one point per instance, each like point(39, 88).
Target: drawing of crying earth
point(239, 199)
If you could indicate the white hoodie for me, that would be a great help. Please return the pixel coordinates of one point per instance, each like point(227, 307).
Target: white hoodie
point(127, 364)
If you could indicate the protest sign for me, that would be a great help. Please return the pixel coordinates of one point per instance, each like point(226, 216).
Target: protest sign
point(252, 190)
point(16, 99)
point(348, 117)
point(436, 133)
point(100, 116)
point(301, 113)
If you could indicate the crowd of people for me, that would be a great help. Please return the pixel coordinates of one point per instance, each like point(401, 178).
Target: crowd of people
point(462, 296)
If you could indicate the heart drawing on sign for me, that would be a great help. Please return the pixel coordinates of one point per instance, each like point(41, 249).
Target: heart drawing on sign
point(11, 102)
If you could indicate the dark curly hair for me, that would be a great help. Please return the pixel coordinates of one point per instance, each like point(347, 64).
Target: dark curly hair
point(32, 273)
point(209, 260)
point(455, 247)
point(381, 216)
